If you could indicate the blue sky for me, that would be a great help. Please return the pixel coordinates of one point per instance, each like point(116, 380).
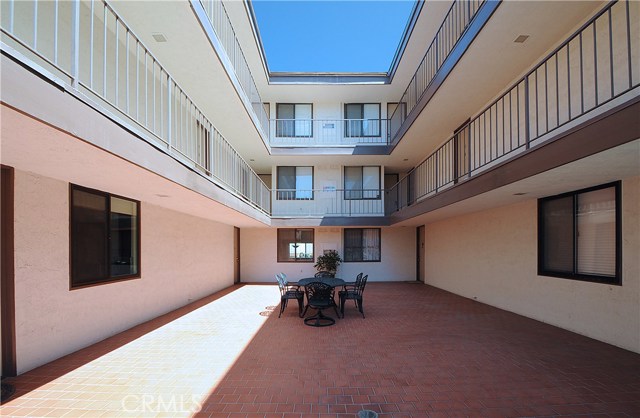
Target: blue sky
point(331, 36)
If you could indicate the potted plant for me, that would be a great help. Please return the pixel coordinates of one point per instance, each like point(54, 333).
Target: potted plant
point(328, 262)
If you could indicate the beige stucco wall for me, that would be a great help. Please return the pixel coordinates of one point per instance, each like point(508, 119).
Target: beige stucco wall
point(491, 256)
point(183, 258)
point(259, 255)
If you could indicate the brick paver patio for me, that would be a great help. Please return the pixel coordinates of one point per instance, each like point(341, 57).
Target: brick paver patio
point(420, 352)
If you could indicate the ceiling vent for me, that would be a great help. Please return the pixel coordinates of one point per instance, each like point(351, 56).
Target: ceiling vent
point(521, 39)
point(159, 37)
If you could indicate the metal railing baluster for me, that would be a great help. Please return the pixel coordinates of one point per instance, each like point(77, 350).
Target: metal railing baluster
point(75, 46)
point(55, 30)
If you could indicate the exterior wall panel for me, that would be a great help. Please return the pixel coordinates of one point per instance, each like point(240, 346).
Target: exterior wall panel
point(491, 257)
point(183, 258)
point(259, 261)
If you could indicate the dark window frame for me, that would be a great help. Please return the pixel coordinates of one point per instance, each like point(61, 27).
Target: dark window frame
point(346, 125)
point(296, 260)
point(110, 278)
point(347, 260)
point(574, 275)
point(282, 195)
point(278, 133)
point(344, 186)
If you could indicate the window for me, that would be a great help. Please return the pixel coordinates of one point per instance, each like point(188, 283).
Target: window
point(295, 245)
point(363, 120)
point(294, 120)
point(104, 237)
point(361, 183)
point(361, 244)
point(295, 183)
point(579, 235)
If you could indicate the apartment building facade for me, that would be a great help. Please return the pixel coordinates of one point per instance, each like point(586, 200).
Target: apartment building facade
point(150, 158)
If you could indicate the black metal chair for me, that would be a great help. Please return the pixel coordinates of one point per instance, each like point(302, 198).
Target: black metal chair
point(321, 274)
point(320, 297)
point(353, 292)
point(289, 292)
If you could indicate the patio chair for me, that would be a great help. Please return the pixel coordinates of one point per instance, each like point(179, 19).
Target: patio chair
point(353, 292)
point(320, 297)
point(289, 292)
point(322, 274)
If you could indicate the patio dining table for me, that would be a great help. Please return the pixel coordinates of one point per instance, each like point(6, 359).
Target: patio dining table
point(331, 281)
point(319, 317)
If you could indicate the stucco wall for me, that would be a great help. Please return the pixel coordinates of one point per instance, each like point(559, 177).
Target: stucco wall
point(183, 258)
point(259, 255)
point(491, 256)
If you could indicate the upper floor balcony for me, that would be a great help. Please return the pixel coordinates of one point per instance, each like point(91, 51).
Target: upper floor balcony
point(328, 132)
point(99, 59)
point(87, 49)
point(330, 202)
point(592, 73)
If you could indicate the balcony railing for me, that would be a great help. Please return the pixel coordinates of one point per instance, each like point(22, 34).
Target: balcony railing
point(457, 20)
point(597, 64)
point(221, 24)
point(87, 48)
point(328, 132)
point(327, 202)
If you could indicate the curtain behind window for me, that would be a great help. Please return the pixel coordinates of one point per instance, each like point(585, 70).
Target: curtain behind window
point(286, 182)
point(558, 234)
point(303, 120)
point(371, 122)
point(596, 225)
point(353, 183)
point(370, 245)
point(285, 125)
point(352, 245)
point(353, 127)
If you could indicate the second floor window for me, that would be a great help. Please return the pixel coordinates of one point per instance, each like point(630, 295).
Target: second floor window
point(362, 183)
point(295, 183)
point(294, 120)
point(362, 120)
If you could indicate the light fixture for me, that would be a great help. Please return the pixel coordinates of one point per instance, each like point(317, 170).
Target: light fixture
point(521, 39)
point(519, 194)
point(159, 37)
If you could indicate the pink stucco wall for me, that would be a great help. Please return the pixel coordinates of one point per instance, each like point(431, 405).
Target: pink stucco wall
point(183, 259)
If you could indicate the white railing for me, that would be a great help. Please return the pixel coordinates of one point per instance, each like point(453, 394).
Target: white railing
point(86, 46)
point(327, 202)
point(219, 20)
point(328, 132)
point(455, 23)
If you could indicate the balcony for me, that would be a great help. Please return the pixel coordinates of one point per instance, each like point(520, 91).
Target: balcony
point(88, 50)
point(316, 203)
point(594, 71)
point(328, 132)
